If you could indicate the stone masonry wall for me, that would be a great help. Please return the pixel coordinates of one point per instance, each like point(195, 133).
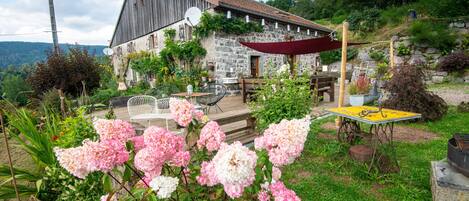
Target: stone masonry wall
point(230, 54)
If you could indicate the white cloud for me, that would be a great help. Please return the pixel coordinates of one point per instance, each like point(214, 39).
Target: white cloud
point(78, 21)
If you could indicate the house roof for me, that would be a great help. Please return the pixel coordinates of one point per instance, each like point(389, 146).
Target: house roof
point(262, 9)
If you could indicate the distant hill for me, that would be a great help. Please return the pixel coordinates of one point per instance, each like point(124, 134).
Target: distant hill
point(19, 53)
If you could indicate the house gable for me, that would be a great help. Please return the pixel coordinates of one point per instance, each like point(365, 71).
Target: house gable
point(140, 17)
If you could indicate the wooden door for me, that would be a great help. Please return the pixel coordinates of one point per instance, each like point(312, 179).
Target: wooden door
point(255, 66)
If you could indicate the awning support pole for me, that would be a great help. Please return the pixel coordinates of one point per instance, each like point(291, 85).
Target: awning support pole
point(343, 68)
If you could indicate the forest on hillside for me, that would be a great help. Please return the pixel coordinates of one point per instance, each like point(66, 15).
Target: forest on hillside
point(20, 53)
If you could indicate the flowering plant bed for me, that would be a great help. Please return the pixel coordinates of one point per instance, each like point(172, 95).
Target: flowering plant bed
point(198, 165)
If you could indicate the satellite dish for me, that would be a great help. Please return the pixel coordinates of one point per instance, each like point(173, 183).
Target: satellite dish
point(108, 51)
point(193, 16)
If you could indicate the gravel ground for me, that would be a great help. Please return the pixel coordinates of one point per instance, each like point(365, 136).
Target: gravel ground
point(453, 95)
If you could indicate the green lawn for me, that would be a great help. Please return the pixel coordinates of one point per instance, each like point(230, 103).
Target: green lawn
point(325, 172)
point(450, 86)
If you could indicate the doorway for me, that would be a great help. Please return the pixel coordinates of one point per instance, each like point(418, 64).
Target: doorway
point(255, 66)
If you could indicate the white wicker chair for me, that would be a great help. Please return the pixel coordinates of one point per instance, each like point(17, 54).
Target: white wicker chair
point(148, 108)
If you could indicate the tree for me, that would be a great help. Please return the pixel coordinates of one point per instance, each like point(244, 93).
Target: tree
point(284, 5)
point(15, 89)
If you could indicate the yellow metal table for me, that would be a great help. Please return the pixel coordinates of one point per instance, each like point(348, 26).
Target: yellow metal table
point(381, 129)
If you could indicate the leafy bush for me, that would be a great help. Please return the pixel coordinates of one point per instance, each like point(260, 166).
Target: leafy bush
point(219, 23)
point(446, 8)
point(402, 50)
point(456, 62)
point(16, 89)
point(281, 98)
point(104, 95)
point(51, 100)
point(364, 21)
point(437, 35)
point(408, 92)
point(74, 130)
point(377, 56)
point(66, 72)
point(329, 57)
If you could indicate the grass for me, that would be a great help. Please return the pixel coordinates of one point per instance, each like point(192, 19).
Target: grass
point(450, 86)
point(325, 172)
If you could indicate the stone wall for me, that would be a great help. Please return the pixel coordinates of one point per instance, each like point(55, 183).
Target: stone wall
point(229, 54)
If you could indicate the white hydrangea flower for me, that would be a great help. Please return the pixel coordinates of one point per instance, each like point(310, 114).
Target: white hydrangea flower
point(283, 69)
point(235, 164)
point(164, 186)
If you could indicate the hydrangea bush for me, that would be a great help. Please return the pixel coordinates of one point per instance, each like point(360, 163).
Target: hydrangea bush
point(161, 165)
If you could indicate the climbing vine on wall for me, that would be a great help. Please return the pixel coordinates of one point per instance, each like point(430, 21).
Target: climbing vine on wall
point(220, 23)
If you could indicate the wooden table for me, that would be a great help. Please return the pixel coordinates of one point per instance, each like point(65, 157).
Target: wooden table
point(381, 127)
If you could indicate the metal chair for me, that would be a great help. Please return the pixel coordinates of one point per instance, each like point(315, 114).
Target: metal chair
point(148, 108)
point(217, 92)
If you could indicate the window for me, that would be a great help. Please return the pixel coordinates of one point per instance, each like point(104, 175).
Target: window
point(182, 32)
point(119, 51)
point(130, 47)
point(151, 42)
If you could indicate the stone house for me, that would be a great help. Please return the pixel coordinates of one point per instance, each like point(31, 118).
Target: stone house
point(142, 23)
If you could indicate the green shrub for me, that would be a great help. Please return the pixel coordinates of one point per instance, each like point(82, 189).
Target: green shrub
point(104, 95)
point(402, 50)
point(329, 57)
point(437, 35)
point(446, 8)
point(51, 100)
point(394, 15)
point(281, 98)
point(364, 21)
point(16, 89)
point(74, 130)
point(219, 23)
point(378, 56)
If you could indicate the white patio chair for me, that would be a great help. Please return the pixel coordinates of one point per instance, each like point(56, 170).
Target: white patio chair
point(148, 108)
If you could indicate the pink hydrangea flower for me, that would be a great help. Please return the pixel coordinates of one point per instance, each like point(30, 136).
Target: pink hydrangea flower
point(181, 159)
point(211, 136)
point(106, 198)
point(263, 196)
point(74, 160)
point(284, 141)
point(139, 142)
point(164, 140)
point(199, 115)
point(276, 173)
point(114, 129)
point(150, 161)
point(233, 166)
point(107, 154)
point(207, 174)
point(282, 193)
point(181, 111)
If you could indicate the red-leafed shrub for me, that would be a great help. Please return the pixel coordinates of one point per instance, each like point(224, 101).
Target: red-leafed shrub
point(455, 62)
point(408, 92)
point(66, 72)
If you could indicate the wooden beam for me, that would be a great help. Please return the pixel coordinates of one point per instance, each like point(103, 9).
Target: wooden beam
point(391, 53)
point(343, 67)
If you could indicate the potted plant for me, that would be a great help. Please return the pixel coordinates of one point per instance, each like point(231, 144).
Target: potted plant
point(359, 91)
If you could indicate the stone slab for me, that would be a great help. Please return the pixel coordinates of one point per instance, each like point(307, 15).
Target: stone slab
point(447, 183)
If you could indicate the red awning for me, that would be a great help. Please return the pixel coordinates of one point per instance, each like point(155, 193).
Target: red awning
point(298, 47)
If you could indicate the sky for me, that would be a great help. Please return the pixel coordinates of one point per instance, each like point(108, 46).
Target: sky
point(86, 22)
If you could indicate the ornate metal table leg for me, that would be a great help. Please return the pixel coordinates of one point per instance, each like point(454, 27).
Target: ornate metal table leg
point(382, 135)
point(349, 131)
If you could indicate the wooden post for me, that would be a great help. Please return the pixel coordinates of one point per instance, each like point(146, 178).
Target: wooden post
point(391, 53)
point(343, 68)
point(10, 163)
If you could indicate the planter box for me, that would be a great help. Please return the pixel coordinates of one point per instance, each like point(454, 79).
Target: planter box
point(359, 100)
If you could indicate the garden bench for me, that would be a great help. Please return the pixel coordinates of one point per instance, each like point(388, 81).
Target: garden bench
point(238, 125)
point(249, 86)
point(323, 85)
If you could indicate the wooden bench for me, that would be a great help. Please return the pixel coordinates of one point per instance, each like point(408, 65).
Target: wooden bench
point(249, 86)
point(238, 126)
point(323, 85)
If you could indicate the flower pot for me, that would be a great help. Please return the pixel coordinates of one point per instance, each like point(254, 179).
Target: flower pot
point(360, 100)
